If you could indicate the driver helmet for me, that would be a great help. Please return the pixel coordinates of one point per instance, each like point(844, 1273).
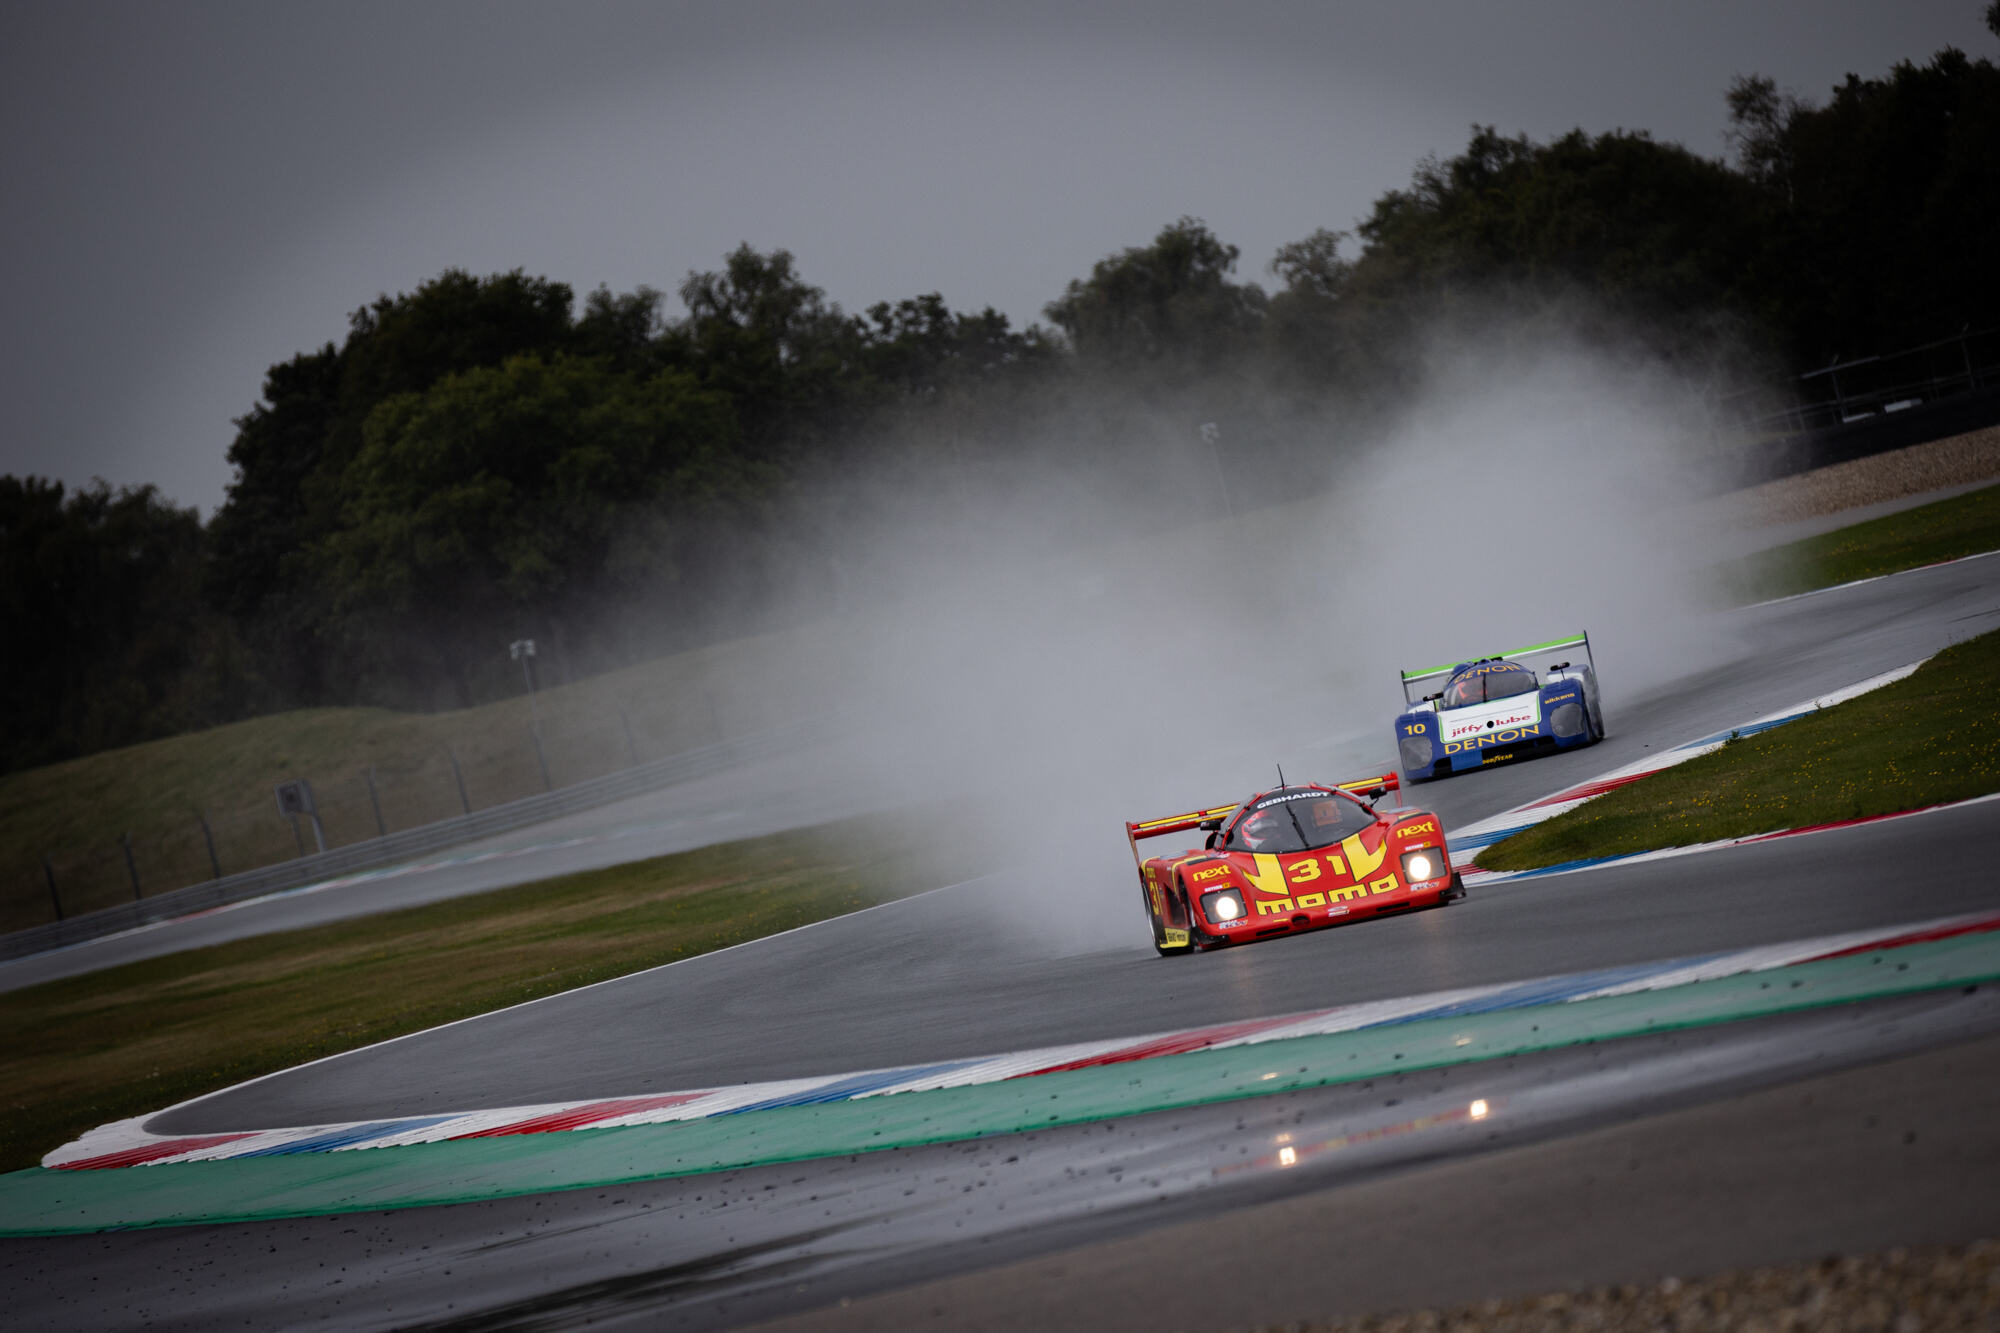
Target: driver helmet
point(1261, 828)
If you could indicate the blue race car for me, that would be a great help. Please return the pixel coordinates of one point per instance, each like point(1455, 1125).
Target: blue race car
point(1493, 710)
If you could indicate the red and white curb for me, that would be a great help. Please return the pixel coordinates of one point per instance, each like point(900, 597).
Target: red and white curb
point(1468, 842)
point(128, 1143)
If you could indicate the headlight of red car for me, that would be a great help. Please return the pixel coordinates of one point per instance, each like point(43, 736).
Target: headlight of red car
point(1223, 907)
point(1425, 863)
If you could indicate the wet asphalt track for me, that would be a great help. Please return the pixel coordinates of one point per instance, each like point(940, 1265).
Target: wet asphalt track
point(1782, 654)
point(937, 977)
point(954, 973)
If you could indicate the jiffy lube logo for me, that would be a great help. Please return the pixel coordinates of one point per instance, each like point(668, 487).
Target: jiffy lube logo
point(1519, 716)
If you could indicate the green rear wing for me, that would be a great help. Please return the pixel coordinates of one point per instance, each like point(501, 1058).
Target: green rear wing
point(1433, 673)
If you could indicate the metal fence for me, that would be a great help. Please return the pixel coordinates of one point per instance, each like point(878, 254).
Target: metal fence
point(375, 851)
point(1870, 387)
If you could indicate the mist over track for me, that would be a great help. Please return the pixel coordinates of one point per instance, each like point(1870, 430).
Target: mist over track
point(974, 970)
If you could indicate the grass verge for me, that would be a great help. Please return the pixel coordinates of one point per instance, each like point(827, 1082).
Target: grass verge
point(1963, 525)
point(172, 801)
point(82, 1052)
point(1931, 737)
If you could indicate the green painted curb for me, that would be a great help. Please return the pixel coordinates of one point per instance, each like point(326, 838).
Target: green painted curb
point(40, 1202)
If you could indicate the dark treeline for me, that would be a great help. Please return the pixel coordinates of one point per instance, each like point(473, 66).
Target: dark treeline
point(481, 459)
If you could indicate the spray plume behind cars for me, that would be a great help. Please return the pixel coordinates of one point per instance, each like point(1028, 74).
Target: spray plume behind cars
point(1041, 657)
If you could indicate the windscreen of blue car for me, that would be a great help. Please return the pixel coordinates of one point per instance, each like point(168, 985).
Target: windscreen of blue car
point(1296, 821)
point(1486, 682)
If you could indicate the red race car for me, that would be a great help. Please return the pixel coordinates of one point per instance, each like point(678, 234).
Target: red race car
point(1291, 859)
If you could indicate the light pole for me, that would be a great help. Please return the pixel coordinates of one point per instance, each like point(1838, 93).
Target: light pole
point(1211, 435)
point(523, 651)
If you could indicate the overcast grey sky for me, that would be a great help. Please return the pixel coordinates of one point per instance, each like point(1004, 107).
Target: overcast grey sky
point(194, 191)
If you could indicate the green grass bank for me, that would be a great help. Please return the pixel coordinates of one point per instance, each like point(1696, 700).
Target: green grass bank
point(1946, 530)
point(1931, 737)
point(82, 1052)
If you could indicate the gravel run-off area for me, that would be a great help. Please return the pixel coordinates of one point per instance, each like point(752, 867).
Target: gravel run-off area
point(1938, 1290)
point(1917, 470)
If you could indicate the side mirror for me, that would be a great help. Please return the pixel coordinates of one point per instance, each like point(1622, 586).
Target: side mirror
point(1211, 840)
point(1210, 825)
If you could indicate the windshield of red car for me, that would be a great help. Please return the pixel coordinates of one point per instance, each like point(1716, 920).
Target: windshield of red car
point(1296, 820)
point(1486, 682)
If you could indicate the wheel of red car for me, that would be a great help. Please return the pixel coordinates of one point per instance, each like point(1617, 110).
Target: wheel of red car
point(1174, 894)
point(1152, 921)
point(1198, 939)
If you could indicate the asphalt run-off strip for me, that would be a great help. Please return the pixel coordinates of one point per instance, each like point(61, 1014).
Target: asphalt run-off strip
point(485, 1155)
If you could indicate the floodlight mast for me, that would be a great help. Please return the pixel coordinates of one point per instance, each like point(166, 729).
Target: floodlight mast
point(523, 651)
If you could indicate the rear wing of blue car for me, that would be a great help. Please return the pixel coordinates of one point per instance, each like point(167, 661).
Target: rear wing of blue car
point(1554, 645)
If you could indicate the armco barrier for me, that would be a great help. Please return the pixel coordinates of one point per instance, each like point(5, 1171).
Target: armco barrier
point(394, 847)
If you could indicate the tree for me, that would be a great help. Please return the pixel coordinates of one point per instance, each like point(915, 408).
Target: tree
point(1881, 212)
point(1163, 312)
point(279, 445)
point(520, 497)
point(776, 347)
point(622, 330)
point(1307, 334)
point(1758, 119)
point(107, 641)
point(293, 448)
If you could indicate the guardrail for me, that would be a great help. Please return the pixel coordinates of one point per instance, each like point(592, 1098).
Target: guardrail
point(392, 848)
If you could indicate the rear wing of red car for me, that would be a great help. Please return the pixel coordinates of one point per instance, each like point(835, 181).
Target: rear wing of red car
point(1193, 819)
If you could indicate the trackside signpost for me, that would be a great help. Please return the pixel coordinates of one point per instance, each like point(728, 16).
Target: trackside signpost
point(295, 798)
